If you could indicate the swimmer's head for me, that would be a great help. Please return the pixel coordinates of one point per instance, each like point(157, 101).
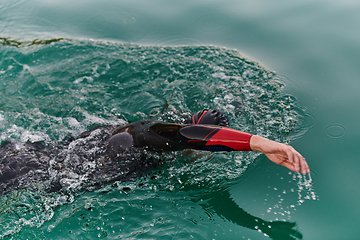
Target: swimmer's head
point(210, 117)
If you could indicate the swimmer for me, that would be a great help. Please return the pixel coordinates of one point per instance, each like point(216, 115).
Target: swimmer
point(119, 156)
point(116, 151)
point(205, 130)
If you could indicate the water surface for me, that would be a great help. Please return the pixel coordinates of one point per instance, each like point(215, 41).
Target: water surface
point(54, 89)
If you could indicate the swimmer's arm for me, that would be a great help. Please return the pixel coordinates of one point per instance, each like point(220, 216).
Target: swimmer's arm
point(166, 136)
point(280, 153)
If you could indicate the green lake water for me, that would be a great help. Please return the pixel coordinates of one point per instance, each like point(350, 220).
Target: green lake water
point(286, 70)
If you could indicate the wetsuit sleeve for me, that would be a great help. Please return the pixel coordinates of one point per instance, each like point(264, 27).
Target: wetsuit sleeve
point(165, 136)
point(213, 138)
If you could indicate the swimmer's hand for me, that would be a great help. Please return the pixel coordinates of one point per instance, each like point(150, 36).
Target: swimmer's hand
point(280, 153)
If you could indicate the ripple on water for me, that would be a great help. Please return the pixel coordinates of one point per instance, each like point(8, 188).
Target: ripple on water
point(335, 131)
point(129, 20)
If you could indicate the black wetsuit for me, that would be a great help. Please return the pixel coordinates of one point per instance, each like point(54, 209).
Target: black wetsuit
point(111, 153)
point(106, 154)
point(167, 136)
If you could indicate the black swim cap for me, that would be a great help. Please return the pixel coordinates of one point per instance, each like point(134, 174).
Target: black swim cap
point(211, 117)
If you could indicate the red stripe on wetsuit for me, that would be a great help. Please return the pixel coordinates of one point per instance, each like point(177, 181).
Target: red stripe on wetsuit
point(234, 139)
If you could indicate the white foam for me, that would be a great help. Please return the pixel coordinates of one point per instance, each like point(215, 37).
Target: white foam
point(93, 119)
point(79, 80)
point(26, 67)
point(28, 136)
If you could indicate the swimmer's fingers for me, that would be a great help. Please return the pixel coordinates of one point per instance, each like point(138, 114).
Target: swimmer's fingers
point(304, 166)
point(282, 158)
point(297, 160)
point(291, 166)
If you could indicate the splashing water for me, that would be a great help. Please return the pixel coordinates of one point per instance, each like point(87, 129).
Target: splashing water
point(305, 188)
point(52, 90)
